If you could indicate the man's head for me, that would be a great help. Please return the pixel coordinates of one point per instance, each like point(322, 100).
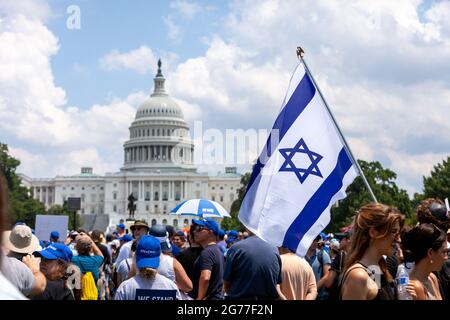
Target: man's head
point(344, 239)
point(139, 228)
point(179, 239)
point(232, 236)
point(120, 228)
point(97, 236)
point(314, 244)
point(205, 230)
point(54, 260)
point(54, 236)
point(83, 245)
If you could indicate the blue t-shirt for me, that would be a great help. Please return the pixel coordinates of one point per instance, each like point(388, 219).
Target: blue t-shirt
point(89, 263)
point(316, 265)
point(253, 269)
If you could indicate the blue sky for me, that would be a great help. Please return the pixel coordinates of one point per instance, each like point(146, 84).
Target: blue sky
point(122, 25)
point(67, 97)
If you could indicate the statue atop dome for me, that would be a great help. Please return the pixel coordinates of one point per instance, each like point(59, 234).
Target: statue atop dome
point(159, 74)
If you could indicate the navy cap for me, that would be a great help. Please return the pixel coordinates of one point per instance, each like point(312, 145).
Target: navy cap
point(160, 232)
point(439, 211)
point(148, 252)
point(55, 251)
point(208, 223)
point(342, 235)
point(54, 235)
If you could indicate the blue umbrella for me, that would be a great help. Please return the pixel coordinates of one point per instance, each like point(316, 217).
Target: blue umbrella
point(200, 208)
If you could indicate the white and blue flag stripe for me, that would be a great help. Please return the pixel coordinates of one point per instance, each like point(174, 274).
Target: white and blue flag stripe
point(300, 174)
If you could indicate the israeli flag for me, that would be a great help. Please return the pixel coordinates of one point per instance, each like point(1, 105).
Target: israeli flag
point(302, 171)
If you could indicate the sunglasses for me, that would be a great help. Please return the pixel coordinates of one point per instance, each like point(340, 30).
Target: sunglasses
point(199, 228)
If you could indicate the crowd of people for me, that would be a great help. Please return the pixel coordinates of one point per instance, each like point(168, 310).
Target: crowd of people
point(158, 262)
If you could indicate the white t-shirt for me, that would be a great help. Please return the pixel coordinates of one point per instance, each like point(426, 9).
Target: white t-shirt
point(139, 288)
point(8, 291)
point(124, 253)
point(18, 274)
point(124, 267)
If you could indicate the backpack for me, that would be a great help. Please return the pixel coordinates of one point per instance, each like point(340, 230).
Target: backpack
point(88, 288)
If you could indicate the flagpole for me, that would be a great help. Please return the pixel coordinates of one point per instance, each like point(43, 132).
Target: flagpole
point(300, 53)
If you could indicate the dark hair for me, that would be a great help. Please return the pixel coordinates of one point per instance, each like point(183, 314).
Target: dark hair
point(420, 239)
point(171, 230)
point(96, 235)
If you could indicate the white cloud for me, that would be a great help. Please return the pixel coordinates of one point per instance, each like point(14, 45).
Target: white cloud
point(53, 138)
point(33, 9)
point(30, 163)
point(187, 9)
point(174, 30)
point(27, 90)
point(141, 60)
point(383, 69)
point(225, 83)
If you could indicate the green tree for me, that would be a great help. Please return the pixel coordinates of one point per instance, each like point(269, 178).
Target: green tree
point(382, 182)
point(22, 206)
point(438, 184)
point(233, 223)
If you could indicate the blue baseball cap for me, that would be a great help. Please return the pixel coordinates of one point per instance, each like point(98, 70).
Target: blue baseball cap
point(208, 223)
point(148, 252)
point(232, 236)
point(55, 251)
point(54, 235)
point(126, 238)
point(121, 226)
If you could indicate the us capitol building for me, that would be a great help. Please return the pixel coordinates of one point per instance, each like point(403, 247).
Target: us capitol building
point(158, 171)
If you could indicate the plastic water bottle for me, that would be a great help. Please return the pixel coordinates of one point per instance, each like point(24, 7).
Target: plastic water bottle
point(402, 281)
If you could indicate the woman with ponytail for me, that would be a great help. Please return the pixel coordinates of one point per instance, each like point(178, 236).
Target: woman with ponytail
point(426, 246)
point(376, 230)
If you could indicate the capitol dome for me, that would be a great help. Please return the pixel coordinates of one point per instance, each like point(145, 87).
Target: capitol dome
point(159, 135)
point(159, 104)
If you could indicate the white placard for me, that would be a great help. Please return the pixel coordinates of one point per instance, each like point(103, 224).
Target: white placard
point(45, 224)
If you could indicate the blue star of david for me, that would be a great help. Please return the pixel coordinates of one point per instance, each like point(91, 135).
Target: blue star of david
point(301, 173)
